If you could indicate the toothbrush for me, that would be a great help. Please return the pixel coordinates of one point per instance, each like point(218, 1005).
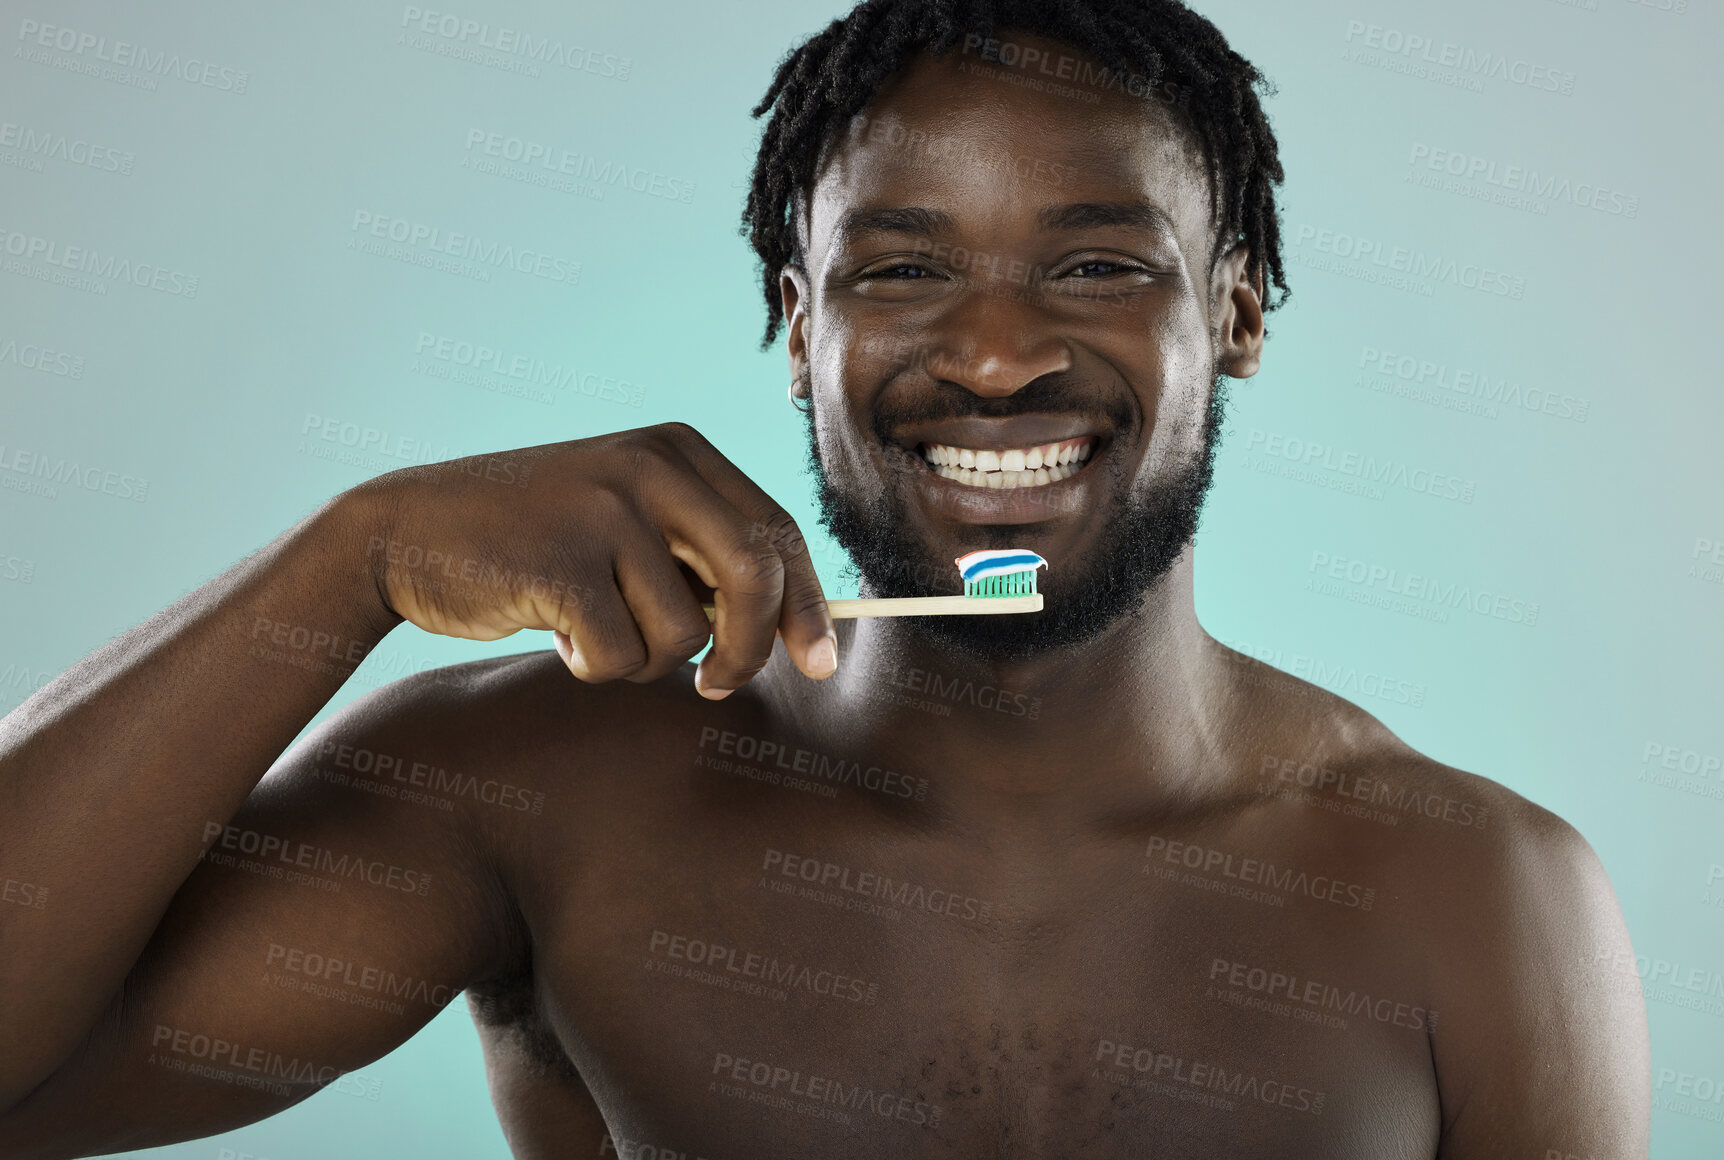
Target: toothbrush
point(996, 580)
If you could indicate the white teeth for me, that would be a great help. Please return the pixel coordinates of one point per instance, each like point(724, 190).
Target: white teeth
point(1035, 466)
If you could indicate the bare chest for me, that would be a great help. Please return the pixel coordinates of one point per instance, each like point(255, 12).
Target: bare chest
point(780, 993)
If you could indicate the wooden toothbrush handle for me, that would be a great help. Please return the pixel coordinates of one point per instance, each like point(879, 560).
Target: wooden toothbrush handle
point(925, 606)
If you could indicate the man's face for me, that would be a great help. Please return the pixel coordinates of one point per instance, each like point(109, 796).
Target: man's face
point(962, 292)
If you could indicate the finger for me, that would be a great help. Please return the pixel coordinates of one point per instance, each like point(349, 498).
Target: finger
point(665, 608)
point(805, 622)
point(731, 556)
point(604, 643)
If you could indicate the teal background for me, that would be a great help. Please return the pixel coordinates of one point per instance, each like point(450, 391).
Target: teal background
point(1603, 523)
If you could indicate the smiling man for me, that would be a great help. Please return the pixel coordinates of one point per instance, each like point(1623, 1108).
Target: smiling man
point(1074, 883)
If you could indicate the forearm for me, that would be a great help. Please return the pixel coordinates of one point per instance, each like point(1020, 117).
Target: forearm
point(114, 776)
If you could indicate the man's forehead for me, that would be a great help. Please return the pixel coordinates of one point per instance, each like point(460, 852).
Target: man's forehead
point(939, 137)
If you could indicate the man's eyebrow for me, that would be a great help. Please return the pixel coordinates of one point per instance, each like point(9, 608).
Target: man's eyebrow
point(906, 220)
point(1089, 215)
point(1081, 215)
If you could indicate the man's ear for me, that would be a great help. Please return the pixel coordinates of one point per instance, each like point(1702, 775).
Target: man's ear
point(1236, 313)
point(793, 293)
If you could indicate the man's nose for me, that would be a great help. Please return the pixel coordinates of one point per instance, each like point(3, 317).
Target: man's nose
point(996, 341)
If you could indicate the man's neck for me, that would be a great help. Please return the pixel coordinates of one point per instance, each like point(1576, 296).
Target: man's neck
point(1134, 722)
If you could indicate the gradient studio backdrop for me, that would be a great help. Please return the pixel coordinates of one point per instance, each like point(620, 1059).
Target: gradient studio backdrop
point(1574, 415)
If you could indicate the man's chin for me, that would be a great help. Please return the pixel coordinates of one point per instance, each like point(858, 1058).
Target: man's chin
point(1087, 592)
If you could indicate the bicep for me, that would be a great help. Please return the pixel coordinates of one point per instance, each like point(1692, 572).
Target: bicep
point(1542, 1048)
point(327, 922)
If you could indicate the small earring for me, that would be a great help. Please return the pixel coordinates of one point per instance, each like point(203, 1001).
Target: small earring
point(794, 396)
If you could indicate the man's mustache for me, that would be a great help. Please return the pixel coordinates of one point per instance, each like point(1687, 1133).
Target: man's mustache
point(1050, 394)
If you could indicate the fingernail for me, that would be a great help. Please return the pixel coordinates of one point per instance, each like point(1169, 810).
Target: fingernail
point(710, 692)
point(823, 658)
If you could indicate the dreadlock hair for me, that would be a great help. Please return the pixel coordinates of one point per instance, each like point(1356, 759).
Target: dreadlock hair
point(835, 74)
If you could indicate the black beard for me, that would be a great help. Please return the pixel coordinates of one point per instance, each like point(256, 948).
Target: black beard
point(1142, 538)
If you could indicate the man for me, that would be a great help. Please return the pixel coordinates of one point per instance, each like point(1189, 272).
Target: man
point(1077, 883)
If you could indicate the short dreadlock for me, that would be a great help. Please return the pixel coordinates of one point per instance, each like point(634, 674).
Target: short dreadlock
point(835, 74)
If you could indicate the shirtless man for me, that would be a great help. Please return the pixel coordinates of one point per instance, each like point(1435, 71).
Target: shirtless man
point(1078, 883)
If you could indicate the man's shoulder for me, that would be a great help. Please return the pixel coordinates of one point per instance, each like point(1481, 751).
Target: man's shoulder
point(490, 702)
point(1450, 833)
point(1471, 851)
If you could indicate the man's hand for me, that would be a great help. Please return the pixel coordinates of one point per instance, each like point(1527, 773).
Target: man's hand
point(613, 543)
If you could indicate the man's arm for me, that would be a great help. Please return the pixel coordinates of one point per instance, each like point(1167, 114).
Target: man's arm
point(1541, 1046)
point(326, 924)
point(157, 907)
point(110, 775)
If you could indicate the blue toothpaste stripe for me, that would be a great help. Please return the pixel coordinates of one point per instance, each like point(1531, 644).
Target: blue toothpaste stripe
point(1000, 562)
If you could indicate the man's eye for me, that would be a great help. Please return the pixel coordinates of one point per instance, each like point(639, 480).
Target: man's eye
point(899, 271)
point(1106, 268)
